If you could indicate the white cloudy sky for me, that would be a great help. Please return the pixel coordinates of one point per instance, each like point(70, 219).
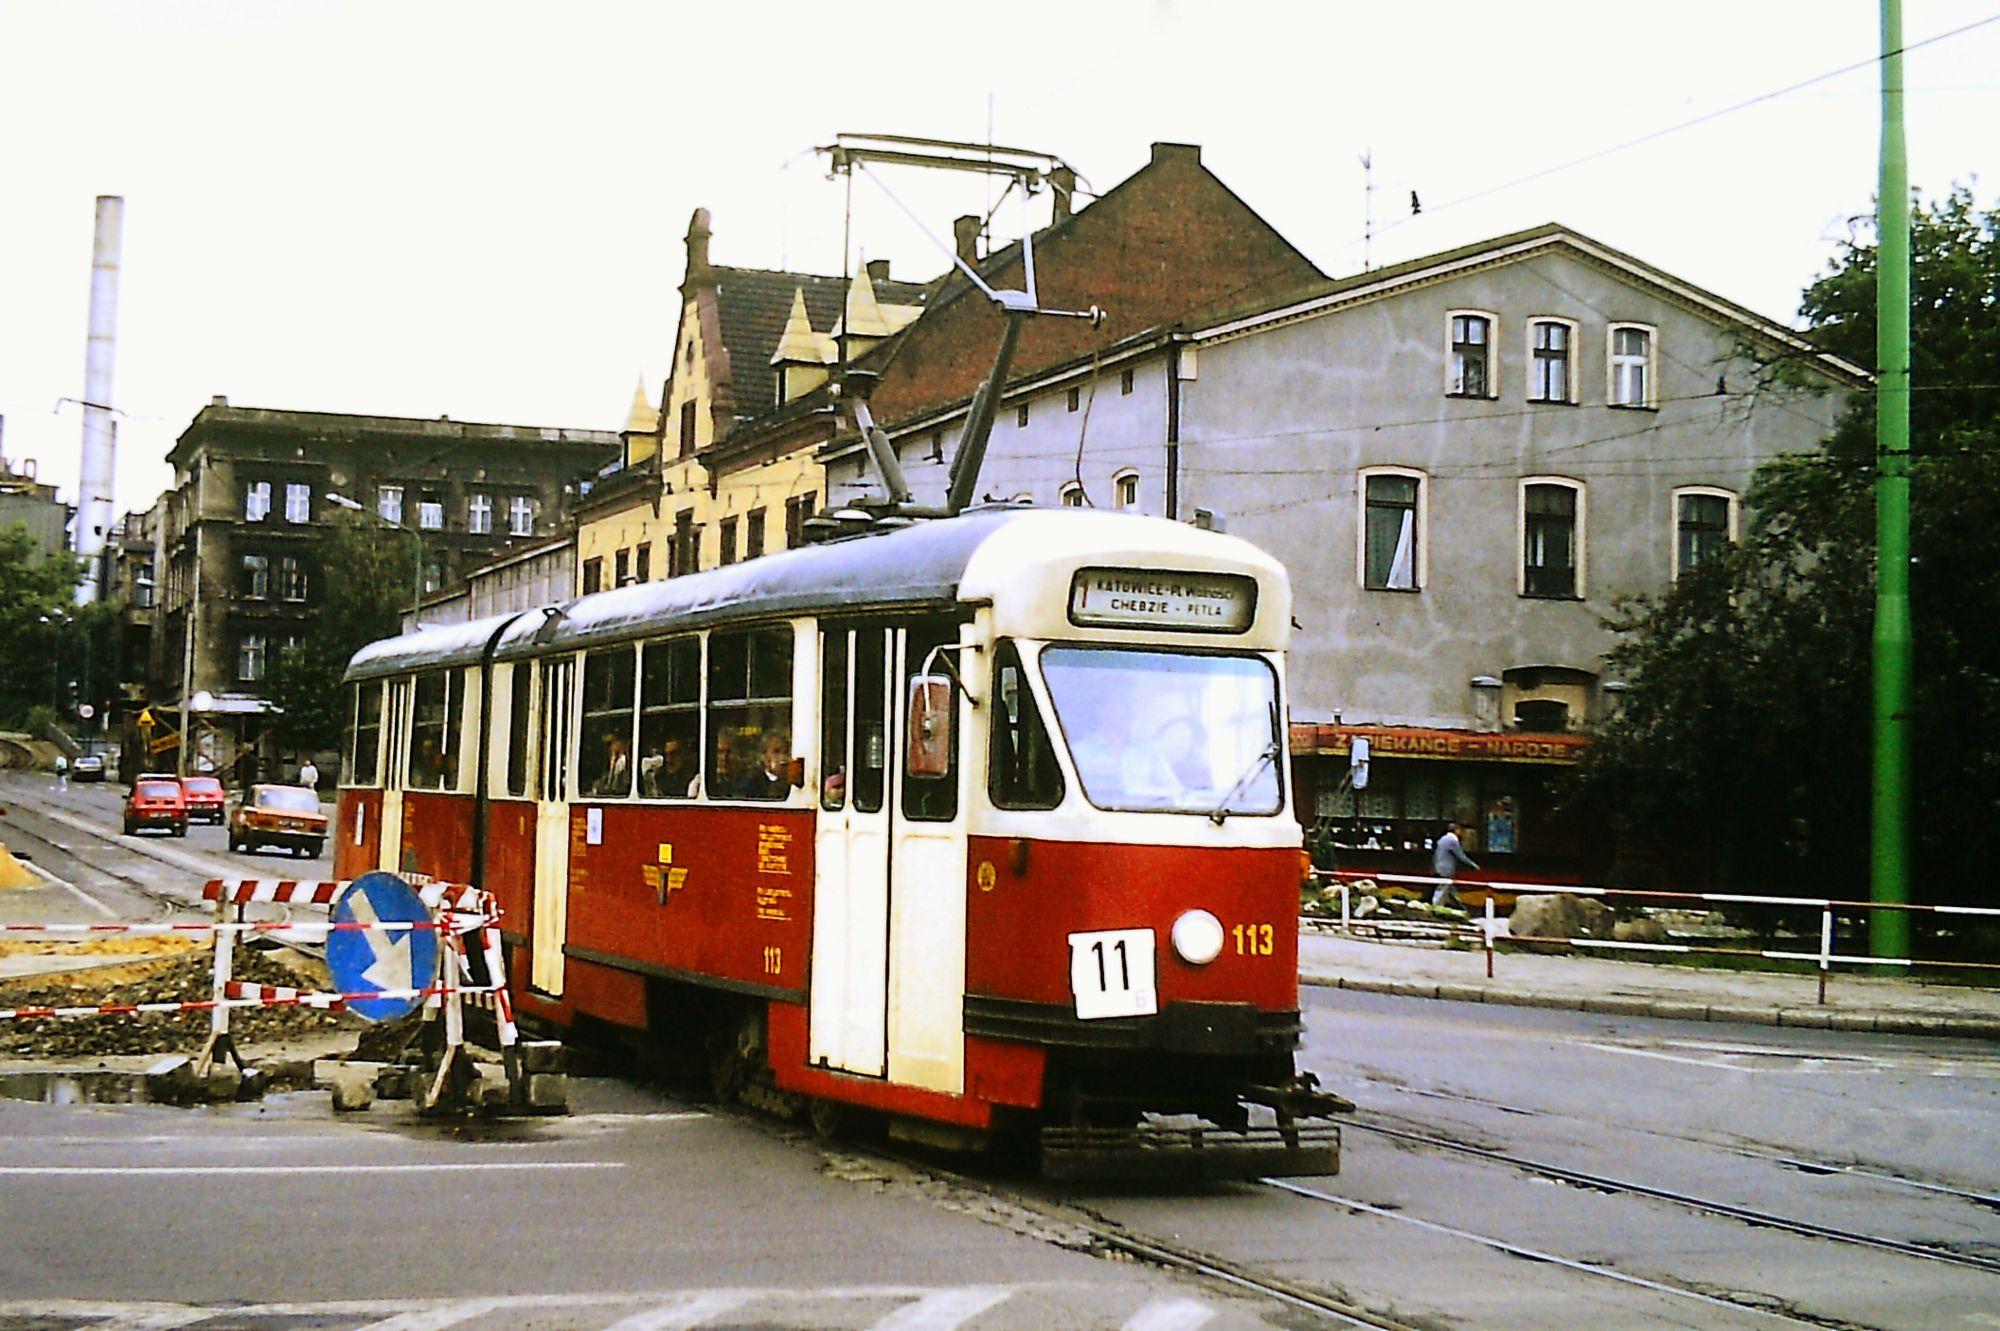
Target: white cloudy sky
point(476, 210)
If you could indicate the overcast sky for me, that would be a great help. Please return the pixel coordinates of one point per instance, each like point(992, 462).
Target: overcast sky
point(476, 210)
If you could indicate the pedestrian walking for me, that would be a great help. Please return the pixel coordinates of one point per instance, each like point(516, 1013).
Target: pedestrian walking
point(62, 772)
point(309, 774)
point(1447, 857)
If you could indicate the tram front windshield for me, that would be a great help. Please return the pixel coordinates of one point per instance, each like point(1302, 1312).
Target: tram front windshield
point(1169, 731)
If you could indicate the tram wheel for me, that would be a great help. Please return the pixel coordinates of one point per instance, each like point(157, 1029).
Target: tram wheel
point(828, 1118)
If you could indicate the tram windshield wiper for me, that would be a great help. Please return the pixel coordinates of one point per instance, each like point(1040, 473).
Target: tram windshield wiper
point(1221, 811)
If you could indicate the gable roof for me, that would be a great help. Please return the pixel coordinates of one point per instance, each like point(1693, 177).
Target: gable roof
point(752, 306)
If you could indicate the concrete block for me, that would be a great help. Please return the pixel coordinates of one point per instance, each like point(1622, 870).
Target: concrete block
point(170, 1080)
point(1618, 1006)
point(353, 1092)
point(489, 1090)
point(1462, 993)
point(1671, 1010)
point(1811, 1017)
point(223, 1081)
point(542, 1056)
point(252, 1085)
point(548, 1093)
point(1410, 989)
point(1853, 1021)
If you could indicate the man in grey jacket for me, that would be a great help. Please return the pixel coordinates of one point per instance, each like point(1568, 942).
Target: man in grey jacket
point(1447, 856)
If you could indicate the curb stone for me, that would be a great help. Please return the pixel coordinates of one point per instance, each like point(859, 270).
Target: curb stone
point(1880, 1023)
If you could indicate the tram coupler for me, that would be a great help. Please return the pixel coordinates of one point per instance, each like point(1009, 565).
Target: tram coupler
point(1299, 1098)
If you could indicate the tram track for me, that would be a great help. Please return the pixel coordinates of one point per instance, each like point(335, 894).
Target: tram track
point(1687, 1201)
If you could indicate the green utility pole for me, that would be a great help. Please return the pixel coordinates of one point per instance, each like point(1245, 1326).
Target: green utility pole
point(1889, 934)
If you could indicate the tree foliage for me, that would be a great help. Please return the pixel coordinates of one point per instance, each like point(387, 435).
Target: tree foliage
point(37, 597)
point(1745, 740)
point(366, 571)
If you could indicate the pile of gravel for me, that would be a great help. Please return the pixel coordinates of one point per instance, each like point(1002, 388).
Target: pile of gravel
point(181, 979)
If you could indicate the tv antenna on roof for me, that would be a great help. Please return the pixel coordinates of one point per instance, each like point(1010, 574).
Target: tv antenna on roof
point(1023, 169)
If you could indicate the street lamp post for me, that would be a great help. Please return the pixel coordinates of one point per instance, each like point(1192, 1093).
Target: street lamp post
point(417, 579)
point(57, 623)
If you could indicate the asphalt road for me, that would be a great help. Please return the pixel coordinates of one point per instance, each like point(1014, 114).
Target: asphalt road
point(1508, 1167)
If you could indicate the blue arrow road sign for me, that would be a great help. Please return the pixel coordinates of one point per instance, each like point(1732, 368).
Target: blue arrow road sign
point(367, 960)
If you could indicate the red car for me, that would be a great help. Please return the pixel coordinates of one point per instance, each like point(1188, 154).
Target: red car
point(204, 799)
point(156, 803)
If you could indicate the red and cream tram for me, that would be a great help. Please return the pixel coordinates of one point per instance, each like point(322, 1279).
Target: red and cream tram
point(981, 823)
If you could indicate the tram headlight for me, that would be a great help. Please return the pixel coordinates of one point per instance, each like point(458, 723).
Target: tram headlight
point(1197, 937)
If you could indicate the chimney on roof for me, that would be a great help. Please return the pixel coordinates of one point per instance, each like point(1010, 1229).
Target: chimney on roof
point(1063, 181)
point(1189, 153)
point(965, 238)
point(697, 248)
point(878, 270)
point(218, 401)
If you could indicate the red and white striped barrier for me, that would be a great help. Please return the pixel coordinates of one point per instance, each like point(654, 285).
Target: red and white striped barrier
point(252, 995)
point(149, 928)
point(435, 893)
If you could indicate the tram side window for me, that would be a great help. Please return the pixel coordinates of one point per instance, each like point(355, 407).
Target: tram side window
point(1022, 772)
point(365, 735)
point(670, 719)
point(833, 720)
point(750, 714)
point(519, 735)
point(604, 759)
point(932, 798)
point(434, 737)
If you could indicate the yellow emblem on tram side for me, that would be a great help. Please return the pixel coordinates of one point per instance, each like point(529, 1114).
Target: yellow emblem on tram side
point(987, 876)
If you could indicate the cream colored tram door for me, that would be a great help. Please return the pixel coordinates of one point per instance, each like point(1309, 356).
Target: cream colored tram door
point(848, 1018)
point(396, 722)
point(927, 877)
point(550, 927)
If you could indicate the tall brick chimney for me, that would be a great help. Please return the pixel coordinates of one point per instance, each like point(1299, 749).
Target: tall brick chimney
point(965, 238)
point(1062, 181)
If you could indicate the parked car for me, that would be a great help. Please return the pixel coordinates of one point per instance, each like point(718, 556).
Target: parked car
point(156, 802)
point(273, 815)
point(204, 797)
point(87, 767)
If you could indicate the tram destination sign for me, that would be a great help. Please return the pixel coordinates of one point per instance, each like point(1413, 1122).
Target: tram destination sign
point(1153, 599)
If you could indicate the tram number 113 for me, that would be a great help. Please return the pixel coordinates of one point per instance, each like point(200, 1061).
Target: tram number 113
point(1111, 972)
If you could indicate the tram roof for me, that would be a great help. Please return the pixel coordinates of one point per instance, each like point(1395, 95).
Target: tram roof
point(923, 564)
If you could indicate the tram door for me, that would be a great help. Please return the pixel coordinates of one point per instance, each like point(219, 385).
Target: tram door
point(848, 1023)
point(551, 914)
point(395, 764)
point(888, 974)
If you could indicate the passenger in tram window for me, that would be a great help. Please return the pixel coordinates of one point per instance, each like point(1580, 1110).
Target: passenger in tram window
point(771, 779)
point(1183, 747)
point(616, 783)
point(669, 773)
point(427, 764)
point(724, 773)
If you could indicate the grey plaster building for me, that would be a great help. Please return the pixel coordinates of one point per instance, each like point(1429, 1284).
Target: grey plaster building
point(1464, 461)
point(252, 485)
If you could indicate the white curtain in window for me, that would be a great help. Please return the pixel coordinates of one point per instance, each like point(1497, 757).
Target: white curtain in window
point(1403, 568)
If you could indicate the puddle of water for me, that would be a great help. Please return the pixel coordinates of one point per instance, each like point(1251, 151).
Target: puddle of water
point(76, 1088)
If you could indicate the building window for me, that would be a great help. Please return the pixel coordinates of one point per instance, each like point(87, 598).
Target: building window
point(1469, 355)
point(593, 575)
point(642, 563)
point(1631, 362)
point(1392, 530)
point(1075, 399)
point(1704, 522)
point(256, 501)
point(292, 578)
point(1551, 361)
point(684, 555)
point(753, 534)
point(430, 511)
point(389, 502)
point(621, 568)
point(521, 516)
point(1072, 495)
point(727, 531)
point(687, 428)
point(256, 577)
point(433, 576)
point(1021, 416)
point(798, 510)
point(298, 502)
point(479, 514)
point(1125, 490)
point(1124, 383)
point(1552, 535)
point(251, 652)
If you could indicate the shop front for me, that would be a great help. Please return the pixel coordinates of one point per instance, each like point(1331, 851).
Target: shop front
point(1504, 789)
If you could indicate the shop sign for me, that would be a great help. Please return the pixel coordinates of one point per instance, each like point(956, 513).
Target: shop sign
point(1447, 745)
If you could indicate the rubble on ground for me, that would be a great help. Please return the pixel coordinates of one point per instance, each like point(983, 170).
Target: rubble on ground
point(186, 978)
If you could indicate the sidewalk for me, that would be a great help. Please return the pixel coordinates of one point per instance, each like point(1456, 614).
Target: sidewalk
point(1642, 989)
